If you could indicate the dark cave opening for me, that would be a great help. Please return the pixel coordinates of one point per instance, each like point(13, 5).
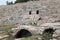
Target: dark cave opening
point(23, 33)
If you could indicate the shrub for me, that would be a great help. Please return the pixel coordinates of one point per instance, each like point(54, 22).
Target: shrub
point(9, 3)
point(20, 1)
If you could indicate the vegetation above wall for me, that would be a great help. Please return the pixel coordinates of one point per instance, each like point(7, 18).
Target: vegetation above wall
point(20, 1)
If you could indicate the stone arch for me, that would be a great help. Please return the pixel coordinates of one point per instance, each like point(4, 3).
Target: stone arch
point(48, 34)
point(23, 33)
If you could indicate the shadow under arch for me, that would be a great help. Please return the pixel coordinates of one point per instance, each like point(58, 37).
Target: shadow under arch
point(23, 33)
point(49, 30)
point(48, 34)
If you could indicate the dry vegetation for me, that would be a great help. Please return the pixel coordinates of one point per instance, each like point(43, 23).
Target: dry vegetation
point(4, 29)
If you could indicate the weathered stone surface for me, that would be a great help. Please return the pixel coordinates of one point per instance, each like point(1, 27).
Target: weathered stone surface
point(32, 29)
point(39, 30)
point(49, 11)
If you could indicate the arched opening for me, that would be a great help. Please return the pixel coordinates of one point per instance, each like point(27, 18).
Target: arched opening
point(23, 33)
point(48, 34)
point(37, 12)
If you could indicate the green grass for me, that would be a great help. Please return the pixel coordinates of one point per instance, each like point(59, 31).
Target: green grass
point(33, 37)
point(5, 28)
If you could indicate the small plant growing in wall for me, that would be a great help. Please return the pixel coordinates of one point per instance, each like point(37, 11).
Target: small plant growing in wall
point(48, 34)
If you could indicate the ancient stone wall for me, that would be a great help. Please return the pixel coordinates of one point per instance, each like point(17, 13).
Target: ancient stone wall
point(42, 14)
point(49, 11)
